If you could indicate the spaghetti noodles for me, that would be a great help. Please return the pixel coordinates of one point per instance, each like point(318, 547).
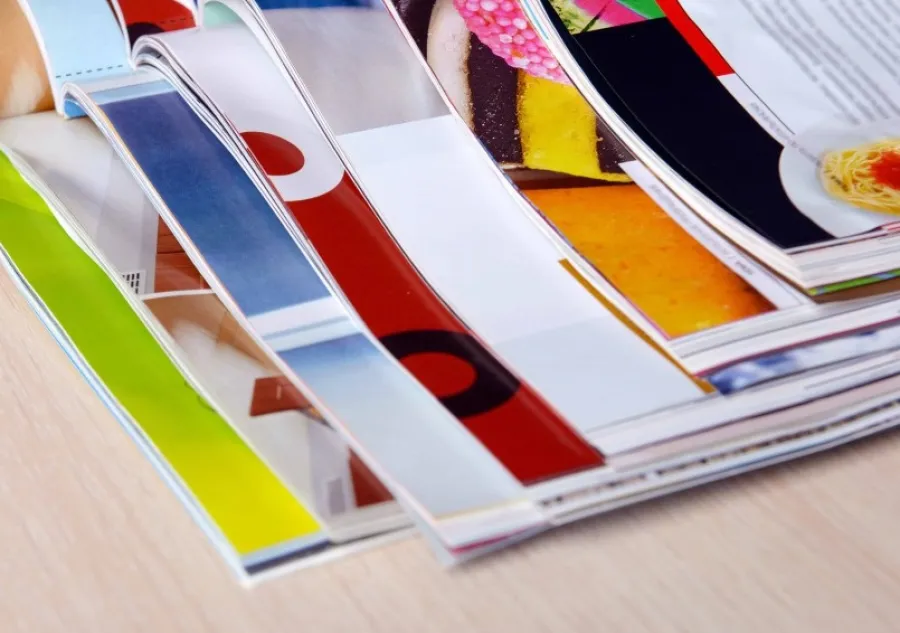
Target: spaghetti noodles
point(868, 177)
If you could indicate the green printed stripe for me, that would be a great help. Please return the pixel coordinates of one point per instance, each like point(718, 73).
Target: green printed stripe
point(647, 8)
point(853, 283)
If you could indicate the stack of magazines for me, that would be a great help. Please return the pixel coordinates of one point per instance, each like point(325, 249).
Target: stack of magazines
point(471, 269)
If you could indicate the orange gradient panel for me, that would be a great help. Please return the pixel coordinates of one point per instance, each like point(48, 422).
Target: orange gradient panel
point(651, 260)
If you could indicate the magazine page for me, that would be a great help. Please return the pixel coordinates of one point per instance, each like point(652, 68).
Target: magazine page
point(513, 95)
point(110, 208)
point(834, 104)
point(514, 101)
point(439, 222)
point(789, 130)
point(24, 86)
point(255, 519)
point(267, 281)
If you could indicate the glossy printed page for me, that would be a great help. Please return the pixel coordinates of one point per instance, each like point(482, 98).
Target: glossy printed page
point(728, 407)
point(436, 465)
point(531, 123)
point(765, 147)
point(501, 410)
point(834, 104)
point(224, 481)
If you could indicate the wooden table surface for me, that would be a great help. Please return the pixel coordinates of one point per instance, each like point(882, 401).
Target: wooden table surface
point(92, 540)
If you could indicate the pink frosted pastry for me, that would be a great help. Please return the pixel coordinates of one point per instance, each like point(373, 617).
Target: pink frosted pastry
point(502, 27)
point(610, 12)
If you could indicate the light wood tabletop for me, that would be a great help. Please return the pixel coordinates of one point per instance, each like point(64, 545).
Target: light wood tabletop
point(92, 540)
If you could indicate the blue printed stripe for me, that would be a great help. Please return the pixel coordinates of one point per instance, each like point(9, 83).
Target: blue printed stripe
point(216, 204)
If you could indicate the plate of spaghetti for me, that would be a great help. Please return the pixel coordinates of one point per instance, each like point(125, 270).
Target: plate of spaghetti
point(846, 180)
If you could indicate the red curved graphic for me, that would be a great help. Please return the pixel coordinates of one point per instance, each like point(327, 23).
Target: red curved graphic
point(518, 426)
point(276, 156)
point(144, 17)
point(695, 37)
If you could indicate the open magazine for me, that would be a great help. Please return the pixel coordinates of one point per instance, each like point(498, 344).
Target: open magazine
point(354, 263)
point(786, 164)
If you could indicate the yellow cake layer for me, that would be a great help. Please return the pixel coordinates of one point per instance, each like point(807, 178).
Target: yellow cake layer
point(558, 129)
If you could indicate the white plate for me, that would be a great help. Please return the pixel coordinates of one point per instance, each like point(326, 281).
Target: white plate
point(799, 170)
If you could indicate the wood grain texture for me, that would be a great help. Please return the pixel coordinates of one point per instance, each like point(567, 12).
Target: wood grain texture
point(92, 540)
